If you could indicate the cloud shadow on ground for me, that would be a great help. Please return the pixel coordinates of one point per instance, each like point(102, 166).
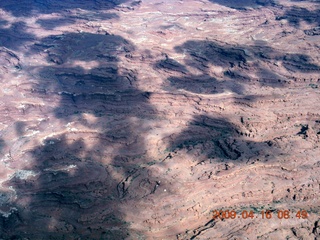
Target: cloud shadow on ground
point(242, 5)
point(34, 7)
point(79, 182)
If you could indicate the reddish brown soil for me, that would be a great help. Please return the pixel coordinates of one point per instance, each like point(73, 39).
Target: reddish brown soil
point(139, 119)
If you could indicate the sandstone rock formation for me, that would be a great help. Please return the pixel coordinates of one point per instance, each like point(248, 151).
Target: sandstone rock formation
point(139, 119)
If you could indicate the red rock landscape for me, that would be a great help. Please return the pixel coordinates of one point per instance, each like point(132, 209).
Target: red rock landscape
point(160, 119)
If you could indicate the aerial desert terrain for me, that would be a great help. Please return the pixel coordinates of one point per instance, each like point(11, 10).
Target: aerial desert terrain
point(124, 119)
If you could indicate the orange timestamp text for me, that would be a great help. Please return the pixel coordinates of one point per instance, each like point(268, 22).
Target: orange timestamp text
point(264, 214)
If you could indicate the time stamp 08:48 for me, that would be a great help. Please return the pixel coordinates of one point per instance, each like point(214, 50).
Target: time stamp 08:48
point(264, 214)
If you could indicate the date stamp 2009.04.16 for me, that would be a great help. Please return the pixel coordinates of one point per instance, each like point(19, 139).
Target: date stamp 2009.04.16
point(264, 214)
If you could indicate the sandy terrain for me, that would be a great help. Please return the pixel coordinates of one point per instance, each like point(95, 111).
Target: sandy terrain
point(139, 119)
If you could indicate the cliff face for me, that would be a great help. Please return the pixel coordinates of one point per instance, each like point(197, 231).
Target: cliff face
point(140, 119)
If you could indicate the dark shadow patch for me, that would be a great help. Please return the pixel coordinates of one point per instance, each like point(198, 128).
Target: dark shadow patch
point(3, 22)
point(312, 32)
point(171, 65)
point(32, 7)
point(295, 15)
point(300, 63)
point(9, 61)
point(237, 66)
point(242, 5)
point(15, 36)
point(59, 195)
point(20, 128)
point(51, 24)
point(204, 84)
point(2, 145)
point(304, 131)
point(203, 53)
point(73, 192)
point(219, 139)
